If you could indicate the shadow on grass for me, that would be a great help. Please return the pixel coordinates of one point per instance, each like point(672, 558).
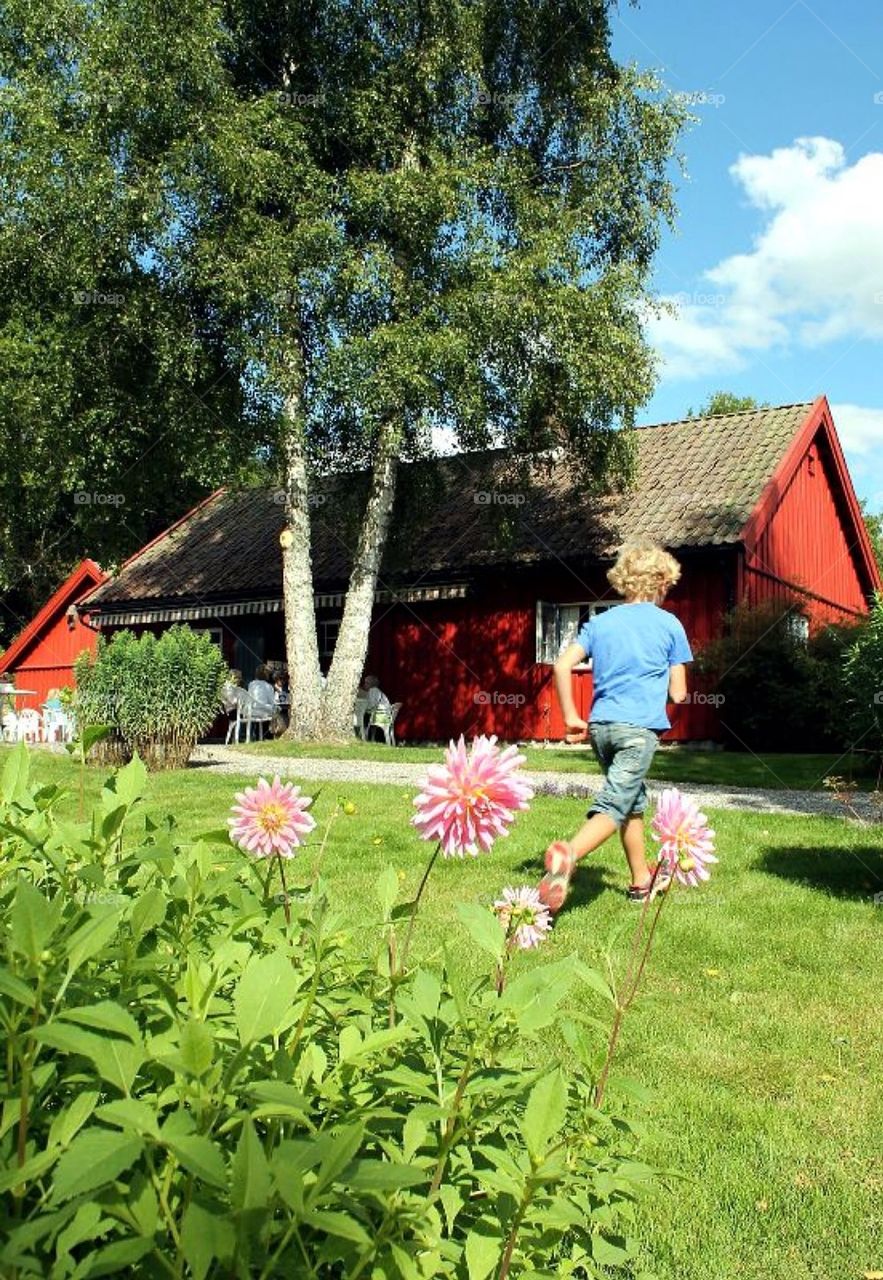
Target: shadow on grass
point(845, 873)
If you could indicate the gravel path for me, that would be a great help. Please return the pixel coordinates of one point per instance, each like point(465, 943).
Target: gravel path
point(752, 799)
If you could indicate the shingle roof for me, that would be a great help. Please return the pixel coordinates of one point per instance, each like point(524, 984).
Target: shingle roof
point(697, 483)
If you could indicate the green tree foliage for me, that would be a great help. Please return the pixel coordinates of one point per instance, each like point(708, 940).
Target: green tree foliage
point(864, 684)
point(357, 222)
point(157, 695)
point(782, 691)
point(120, 401)
point(725, 402)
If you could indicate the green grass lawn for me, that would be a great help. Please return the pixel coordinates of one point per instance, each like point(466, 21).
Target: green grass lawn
point(758, 1029)
point(674, 764)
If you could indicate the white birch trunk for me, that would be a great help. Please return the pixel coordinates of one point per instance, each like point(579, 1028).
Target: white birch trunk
point(352, 640)
point(301, 644)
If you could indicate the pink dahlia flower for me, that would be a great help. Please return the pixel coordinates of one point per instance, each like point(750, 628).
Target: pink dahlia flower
point(472, 798)
point(270, 819)
point(523, 916)
point(686, 840)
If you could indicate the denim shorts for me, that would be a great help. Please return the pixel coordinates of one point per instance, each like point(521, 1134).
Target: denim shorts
point(625, 753)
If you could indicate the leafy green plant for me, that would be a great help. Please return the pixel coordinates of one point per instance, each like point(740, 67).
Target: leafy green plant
point(201, 1079)
point(157, 694)
point(778, 688)
point(863, 675)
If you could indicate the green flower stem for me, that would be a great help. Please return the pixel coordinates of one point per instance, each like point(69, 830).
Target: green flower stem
point(629, 988)
point(285, 904)
point(290, 1233)
point(449, 1133)
point(422, 886)
point(506, 1260)
point(27, 1067)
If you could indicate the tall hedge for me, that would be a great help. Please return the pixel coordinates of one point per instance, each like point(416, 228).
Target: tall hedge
point(157, 694)
point(863, 670)
point(780, 692)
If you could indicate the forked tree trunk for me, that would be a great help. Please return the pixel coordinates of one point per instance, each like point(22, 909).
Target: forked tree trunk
point(352, 640)
point(301, 644)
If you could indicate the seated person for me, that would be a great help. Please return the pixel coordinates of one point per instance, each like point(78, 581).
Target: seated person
point(53, 700)
point(228, 697)
point(375, 700)
point(261, 692)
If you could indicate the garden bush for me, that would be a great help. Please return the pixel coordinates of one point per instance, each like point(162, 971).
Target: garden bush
point(780, 692)
point(206, 1076)
point(157, 694)
point(863, 676)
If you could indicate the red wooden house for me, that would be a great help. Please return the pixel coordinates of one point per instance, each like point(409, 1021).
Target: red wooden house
point(41, 657)
point(490, 570)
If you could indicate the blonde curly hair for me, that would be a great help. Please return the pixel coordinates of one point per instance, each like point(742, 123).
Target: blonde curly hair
point(643, 571)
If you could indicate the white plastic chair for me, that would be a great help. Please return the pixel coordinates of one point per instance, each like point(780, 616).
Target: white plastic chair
point(236, 700)
point(58, 725)
point(384, 718)
point(10, 726)
point(258, 713)
point(28, 727)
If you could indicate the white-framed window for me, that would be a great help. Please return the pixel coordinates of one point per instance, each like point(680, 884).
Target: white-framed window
point(327, 629)
point(215, 634)
point(798, 627)
point(558, 624)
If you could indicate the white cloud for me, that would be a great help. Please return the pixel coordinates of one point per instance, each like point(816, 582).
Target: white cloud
point(813, 274)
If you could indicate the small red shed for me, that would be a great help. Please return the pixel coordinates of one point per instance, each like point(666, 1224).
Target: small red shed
point(494, 561)
point(41, 657)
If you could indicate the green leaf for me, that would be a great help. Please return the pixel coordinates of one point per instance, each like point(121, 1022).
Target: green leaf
point(373, 1046)
point(93, 734)
point(105, 1016)
point(14, 784)
point(117, 1061)
point(535, 995)
point(31, 920)
point(206, 1235)
point(483, 928)
point(250, 1187)
point(545, 1112)
point(127, 785)
point(31, 1169)
point(610, 1253)
point(196, 1047)
point(387, 890)
point(382, 1175)
point(110, 1260)
point(65, 1126)
point(148, 911)
point(94, 1158)
point(338, 1224)
point(129, 1113)
point(92, 936)
point(594, 979)
point(17, 990)
point(340, 1151)
point(264, 996)
point(198, 1155)
point(483, 1248)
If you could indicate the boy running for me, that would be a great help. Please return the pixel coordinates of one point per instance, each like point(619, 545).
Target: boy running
point(638, 651)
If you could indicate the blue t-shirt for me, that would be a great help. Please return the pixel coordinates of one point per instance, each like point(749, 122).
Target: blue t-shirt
point(632, 648)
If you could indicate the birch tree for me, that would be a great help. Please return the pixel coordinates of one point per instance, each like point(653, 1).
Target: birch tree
point(398, 217)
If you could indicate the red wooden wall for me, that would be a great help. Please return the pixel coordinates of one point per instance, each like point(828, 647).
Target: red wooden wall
point(42, 657)
point(468, 666)
point(807, 551)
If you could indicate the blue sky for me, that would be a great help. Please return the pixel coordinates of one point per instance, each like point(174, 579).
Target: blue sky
point(776, 263)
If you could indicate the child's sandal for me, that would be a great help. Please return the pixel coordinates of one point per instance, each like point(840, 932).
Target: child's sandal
point(555, 884)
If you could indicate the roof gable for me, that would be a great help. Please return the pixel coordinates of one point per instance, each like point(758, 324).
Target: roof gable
point(79, 583)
